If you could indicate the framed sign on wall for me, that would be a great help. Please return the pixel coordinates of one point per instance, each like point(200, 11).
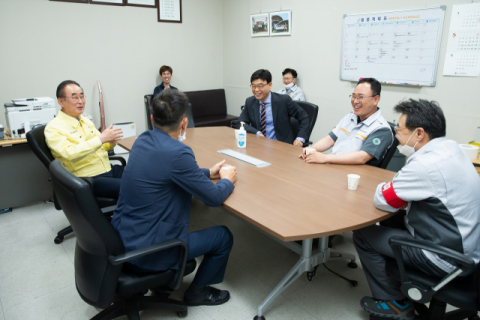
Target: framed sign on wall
point(77, 1)
point(142, 3)
point(170, 11)
point(109, 2)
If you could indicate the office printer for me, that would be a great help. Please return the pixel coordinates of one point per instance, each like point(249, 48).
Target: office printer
point(24, 114)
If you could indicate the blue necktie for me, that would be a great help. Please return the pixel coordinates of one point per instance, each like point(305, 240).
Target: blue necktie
point(263, 120)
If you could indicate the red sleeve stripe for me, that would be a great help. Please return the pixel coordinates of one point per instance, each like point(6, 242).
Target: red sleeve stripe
point(391, 197)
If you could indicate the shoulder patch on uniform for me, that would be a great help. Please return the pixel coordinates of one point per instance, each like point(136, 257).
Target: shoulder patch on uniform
point(376, 141)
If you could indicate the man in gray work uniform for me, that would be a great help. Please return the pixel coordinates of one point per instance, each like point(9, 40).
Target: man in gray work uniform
point(439, 189)
point(362, 136)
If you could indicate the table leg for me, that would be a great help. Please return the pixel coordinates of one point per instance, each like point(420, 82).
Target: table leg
point(306, 262)
point(334, 254)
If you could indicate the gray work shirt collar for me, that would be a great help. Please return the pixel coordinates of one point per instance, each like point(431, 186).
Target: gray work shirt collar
point(369, 120)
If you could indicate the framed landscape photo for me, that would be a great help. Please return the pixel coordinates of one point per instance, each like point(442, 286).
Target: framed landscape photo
point(170, 11)
point(77, 1)
point(281, 23)
point(259, 26)
point(109, 2)
point(141, 3)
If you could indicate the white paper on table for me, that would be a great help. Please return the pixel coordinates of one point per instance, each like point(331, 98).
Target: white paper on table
point(462, 58)
point(243, 157)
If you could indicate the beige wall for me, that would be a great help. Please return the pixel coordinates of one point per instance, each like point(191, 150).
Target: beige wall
point(45, 42)
point(314, 51)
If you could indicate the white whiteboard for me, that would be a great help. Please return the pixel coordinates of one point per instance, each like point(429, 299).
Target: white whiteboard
point(395, 47)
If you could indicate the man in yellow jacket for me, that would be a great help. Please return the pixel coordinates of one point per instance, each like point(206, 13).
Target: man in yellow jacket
point(74, 140)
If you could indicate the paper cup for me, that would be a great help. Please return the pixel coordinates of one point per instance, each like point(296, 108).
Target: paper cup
point(353, 180)
point(309, 150)
point(226, 167)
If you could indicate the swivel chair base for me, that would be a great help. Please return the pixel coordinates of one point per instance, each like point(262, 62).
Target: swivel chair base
point(61, 234)
point(132, 305)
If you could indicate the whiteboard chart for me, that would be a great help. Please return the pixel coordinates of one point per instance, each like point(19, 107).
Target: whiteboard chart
point(395, 47)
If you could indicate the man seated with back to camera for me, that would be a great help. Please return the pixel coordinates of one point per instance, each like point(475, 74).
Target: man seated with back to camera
point(155, 199)
point(289, 78)
point(362, 136)
point(267, 114)
point(74, 140)
point(439, 189)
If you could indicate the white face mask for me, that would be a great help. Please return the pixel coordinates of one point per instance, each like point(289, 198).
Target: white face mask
point(406, 149)
point(183, 136)
point(289, 86)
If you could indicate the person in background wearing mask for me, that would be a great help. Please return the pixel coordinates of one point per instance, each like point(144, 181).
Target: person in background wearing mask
point(155, 199)
point(439, 189)
point(362, 137)
point(289, 81)
point(166, 74)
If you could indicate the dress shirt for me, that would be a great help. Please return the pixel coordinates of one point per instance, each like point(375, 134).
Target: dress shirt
point(269, 119)
point(76, 142)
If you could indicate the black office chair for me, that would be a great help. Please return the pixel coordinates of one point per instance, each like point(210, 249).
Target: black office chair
point(148, 102)
point(36, 140)
point(462, 292)
point(390, 151)
point(312, 112)
point(102, 276)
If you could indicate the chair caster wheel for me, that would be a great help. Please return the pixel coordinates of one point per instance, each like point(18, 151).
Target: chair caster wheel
point(352, 265)
point(58, 240)
point(259, 318)
point(182, 314)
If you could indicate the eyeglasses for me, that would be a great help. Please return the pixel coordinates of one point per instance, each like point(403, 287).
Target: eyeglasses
point(397, 128)
point(260, 86)
point(359, 98)
point(75, 98)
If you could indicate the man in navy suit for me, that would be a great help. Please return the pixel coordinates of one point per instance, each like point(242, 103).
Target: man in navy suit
point(155, 198)
point(267, 114)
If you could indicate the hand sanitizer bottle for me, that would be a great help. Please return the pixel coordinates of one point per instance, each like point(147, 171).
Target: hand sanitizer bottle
point(242, 137)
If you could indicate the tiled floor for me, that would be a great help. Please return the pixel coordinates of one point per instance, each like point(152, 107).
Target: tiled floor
point(37, 276)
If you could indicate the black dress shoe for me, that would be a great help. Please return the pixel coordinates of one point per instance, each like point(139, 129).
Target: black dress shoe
point(214, 297)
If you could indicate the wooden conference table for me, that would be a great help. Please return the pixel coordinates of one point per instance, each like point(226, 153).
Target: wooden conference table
point(291, 200)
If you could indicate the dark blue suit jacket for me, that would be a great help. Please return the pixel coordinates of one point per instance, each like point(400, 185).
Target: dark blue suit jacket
point(156, 193)
point(283, 107)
